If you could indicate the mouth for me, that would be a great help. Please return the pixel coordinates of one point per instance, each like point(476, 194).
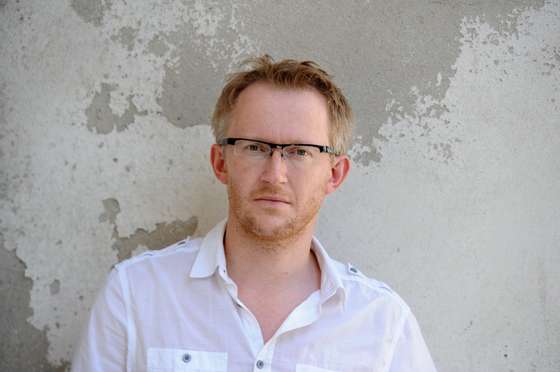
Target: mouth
point(274, 200)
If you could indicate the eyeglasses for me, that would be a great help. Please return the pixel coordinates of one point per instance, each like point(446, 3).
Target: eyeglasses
point(300, 154)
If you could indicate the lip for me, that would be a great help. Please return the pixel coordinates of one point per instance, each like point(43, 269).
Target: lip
point(272, 199)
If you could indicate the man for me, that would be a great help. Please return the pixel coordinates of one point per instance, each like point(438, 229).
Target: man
point(259, 292)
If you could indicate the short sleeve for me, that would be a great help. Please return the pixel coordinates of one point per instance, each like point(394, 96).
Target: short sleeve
point(411, 353)
point(104, 339)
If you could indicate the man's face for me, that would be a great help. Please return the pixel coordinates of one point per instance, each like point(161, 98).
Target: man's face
point(271, 198)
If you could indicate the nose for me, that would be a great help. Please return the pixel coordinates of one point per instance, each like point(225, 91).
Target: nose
point(275, 168)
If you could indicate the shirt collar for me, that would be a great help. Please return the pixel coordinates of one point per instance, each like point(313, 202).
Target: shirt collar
point(331, 283)
point(211, 256)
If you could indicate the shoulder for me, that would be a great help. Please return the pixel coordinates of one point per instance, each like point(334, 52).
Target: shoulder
point(362, 290)
point(180, 254)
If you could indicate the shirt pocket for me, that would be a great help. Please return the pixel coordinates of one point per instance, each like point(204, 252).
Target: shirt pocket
point(181, 360)
point(308, 368)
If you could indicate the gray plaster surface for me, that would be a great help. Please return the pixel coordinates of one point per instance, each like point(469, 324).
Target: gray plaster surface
point(453, 199)
point(22, 346)
point(91, 11)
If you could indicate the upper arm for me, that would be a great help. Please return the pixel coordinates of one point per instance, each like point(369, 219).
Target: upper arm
point(411, 353)
point(104, 339)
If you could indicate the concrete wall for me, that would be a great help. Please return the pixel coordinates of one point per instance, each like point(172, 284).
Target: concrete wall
point(453, 199)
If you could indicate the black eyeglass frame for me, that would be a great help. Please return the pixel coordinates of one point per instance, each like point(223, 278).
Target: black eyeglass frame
point(232, 140)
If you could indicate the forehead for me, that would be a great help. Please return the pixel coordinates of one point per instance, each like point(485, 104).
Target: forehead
point(282, 115)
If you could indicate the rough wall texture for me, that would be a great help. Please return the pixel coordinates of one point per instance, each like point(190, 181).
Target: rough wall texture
point(104, 112)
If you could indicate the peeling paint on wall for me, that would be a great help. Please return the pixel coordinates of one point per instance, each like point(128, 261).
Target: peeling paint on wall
point(100, 117)
point(377, 62)
point(22, 346)
point(127, 37)
point(112, 208)
point(186, 95)
point(455, 171)
point(162, 236)
point(91, 11)
point(207, 47)
point(157, 46)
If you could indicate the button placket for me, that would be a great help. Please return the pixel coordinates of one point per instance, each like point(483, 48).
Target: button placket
point(251, 327)
point(263, 359)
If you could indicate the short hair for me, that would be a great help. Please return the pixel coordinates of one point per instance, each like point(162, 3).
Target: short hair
point(287, 73)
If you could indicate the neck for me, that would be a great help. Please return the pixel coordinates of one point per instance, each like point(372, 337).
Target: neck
point(257, 265)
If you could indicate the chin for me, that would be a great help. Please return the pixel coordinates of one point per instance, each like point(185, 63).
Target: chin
point(272, 228)
point(272, 224)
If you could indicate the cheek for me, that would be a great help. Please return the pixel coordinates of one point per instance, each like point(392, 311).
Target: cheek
point(242, 179)
point(321, 176)
point(312, 185)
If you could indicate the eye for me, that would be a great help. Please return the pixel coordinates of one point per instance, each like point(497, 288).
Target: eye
point(299, 152)
point(255, 148)
point(302, 152)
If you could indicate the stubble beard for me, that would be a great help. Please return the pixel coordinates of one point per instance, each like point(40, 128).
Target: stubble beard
point(254, 226)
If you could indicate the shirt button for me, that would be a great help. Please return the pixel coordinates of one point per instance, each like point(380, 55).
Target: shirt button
point(187, 357)
point(260, 364)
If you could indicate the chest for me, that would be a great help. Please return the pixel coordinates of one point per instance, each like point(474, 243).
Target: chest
point(207, 329)
point(272, 308)
point(270, 315)
point(319, 346)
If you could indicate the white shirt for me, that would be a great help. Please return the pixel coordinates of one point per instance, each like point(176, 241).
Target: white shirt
point(177, 309)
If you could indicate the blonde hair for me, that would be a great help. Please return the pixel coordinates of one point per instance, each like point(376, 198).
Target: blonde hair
point(287, 73)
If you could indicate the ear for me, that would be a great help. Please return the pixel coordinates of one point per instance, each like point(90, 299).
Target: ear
point(218, 162)
point(340, 167)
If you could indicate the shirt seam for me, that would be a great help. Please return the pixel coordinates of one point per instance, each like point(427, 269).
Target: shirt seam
point(164, 252)
point(374, 287)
